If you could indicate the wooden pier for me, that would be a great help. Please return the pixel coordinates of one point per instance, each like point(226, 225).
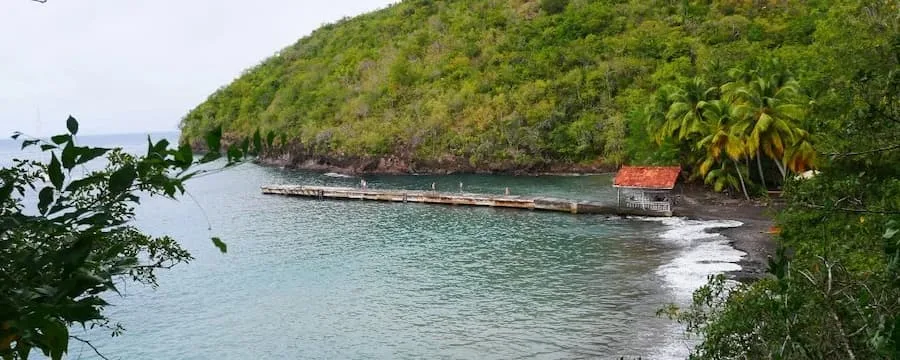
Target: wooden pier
point(434, 197)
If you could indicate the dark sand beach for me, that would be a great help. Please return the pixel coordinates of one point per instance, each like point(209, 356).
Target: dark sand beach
point(753, 237)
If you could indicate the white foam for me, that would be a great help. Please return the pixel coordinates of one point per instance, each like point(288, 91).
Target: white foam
point(337, 175)
point(693, 267)
point(703, 253)
point(684, 230)
point(677, 347)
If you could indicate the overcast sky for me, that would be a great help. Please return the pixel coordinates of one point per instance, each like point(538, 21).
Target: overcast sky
point(139, 65)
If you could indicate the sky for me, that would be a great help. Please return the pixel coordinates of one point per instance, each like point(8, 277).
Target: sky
point(138, 66)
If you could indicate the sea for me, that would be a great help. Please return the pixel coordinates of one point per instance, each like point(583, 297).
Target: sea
point(324, 279)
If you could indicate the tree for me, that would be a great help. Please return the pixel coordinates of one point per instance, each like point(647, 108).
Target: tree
point(59, 254)
point(754, 115)
point(684, 116)
point(769, 108)
point(554, 6)
point(800, 155)
point(719, 138)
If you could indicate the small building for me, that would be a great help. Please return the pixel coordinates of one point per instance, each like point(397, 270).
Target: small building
point(646, 189)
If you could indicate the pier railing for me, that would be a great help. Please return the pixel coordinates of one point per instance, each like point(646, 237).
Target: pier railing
point(662, 206)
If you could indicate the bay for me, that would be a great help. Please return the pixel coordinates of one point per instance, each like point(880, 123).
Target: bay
point(357, 279)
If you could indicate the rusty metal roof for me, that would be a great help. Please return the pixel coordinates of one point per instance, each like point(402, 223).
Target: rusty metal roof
point(647, 177)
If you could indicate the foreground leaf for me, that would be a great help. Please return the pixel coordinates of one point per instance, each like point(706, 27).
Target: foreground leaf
point(54, 171)
point(214, 140)
point(122, 179)
point(45, 197)
point(220, 244)
point(72, 125)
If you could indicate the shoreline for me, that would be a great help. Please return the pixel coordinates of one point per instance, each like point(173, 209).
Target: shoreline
point(398, 165)
point(696, 202)
point(752, 237)
point(753, 240)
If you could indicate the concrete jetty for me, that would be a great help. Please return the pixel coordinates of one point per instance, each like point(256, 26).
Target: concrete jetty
point(435, 197)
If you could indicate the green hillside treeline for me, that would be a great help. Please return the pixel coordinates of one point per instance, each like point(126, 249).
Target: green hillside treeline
point(512, 83)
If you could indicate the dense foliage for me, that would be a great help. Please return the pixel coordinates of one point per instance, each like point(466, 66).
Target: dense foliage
point(757, 115)
point(66, 236)
point(515, 82)
point(834, 288)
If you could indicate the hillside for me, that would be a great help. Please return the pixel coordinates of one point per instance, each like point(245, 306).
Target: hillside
point(502, 84)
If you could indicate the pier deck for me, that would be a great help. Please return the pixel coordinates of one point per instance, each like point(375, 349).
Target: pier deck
point(435, 197)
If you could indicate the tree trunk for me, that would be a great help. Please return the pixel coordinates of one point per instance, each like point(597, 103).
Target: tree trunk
point(741, 177)
point(782, 169)
point(749, 173)
point(762, 178)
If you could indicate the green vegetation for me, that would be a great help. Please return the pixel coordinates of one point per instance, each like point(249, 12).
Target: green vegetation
point(524, 83)
point(834, 287)
point(719, 127)
point(67, 239)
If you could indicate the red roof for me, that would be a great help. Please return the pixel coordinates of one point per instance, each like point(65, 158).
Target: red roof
point(647, 177)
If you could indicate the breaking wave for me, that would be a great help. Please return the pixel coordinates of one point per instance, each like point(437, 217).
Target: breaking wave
point(702, 253)
point(337, 175)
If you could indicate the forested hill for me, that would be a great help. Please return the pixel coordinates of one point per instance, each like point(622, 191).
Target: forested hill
point(522, 84)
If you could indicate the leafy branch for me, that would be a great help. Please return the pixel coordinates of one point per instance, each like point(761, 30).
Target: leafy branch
point(88, 343)
point(865, 152)
point(60, 254)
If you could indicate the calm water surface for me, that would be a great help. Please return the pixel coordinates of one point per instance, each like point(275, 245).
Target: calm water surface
point(358, 280)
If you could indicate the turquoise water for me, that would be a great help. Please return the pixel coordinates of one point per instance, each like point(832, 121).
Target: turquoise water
point(359, 280)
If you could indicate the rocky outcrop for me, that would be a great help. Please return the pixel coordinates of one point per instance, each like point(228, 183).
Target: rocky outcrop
point(298, 158)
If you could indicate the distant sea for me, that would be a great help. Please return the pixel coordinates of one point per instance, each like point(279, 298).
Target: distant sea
point(357, 280)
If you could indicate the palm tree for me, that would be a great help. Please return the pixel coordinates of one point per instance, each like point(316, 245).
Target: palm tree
point(768, 110)
point(800, 156)
point(721, 179)
point(655, 112)
point(719, 138)
point(683, 116)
